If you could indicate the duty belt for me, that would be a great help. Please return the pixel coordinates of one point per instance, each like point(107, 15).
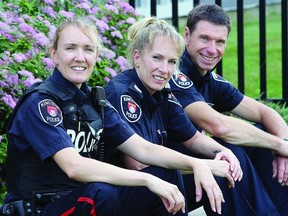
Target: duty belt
point(31, 208)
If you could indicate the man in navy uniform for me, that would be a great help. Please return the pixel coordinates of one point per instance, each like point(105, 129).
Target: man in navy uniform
point(205, 95)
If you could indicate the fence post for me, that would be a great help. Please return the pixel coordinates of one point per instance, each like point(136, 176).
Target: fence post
point(284, 11)
point(262, 39)
point(175, 14)
point(240, 42)
point(153, 8)
point(132, 3)
point(219, 67)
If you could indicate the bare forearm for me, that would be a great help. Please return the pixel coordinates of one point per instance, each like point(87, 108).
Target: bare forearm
point(152, 154)
point(246, 134)
point(275, 124)
point(202, 144)
point(118, 176)
point(172, 159)
point(90, 170)
point(238, 131)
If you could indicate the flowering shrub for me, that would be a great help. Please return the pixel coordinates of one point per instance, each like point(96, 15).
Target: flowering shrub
point(25, 30)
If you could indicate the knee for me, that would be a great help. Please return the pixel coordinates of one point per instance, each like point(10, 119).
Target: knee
point(97, 197)
point(104, 192)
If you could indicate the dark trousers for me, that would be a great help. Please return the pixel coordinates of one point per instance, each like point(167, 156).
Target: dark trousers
point(91, 199)
point(257, 194)
point(262, 161)
point(139, 201)
point(104, 199)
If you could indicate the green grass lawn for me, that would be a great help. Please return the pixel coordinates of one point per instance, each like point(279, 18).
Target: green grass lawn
point(251, 52)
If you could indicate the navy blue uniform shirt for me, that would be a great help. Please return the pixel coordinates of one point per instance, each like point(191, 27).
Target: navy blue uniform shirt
point(151, 116)
point(189, 86)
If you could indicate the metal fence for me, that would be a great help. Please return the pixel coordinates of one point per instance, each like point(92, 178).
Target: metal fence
point(240, 41)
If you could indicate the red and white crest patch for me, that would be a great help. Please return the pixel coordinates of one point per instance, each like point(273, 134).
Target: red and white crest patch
point(181, 80)
point(130, 109)
point(50, 112)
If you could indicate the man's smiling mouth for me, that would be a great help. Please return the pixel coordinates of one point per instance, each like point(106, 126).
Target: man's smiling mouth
point(208, 58)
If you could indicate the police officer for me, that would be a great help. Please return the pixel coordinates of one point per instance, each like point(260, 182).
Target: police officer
point(54, 134)
point(151, 109)
point(204, 95)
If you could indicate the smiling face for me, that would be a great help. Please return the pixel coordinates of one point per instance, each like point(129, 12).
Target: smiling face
point(75, 55)
point(156, 63)
point(206, 44)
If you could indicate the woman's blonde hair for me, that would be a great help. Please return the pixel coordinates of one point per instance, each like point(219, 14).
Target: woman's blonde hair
point(143, 33)
point(86, 25)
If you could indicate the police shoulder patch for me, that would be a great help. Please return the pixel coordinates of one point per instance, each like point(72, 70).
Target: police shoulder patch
point(181, 80)
point(130, 109)
point(50, 112)
point(217, 77)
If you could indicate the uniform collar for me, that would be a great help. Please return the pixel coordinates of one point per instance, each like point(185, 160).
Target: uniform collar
point(188, 67)
point(79, 95)
point(138, 90)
